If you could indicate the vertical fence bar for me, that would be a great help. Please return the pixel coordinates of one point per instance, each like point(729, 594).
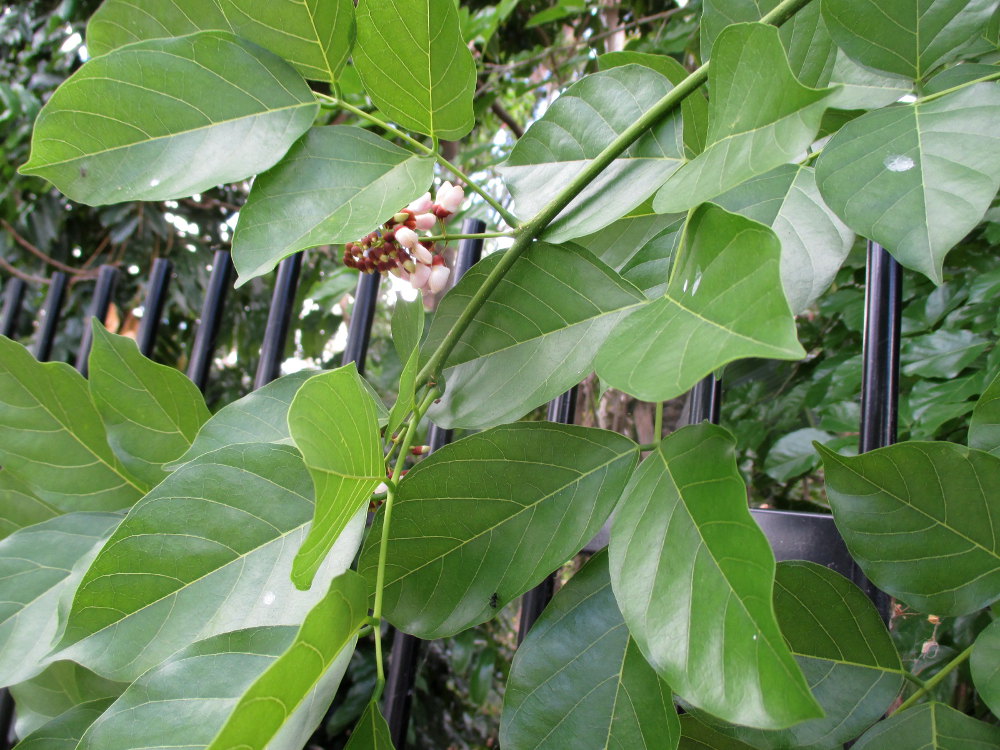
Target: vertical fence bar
point(272, 350)
point(107, 277)
point(405, 653)
point(360, 329)
point(704, 401)
point(12, 301)
point(156, 296)
point(49, 316)
point(211, 319)
point(880, 372)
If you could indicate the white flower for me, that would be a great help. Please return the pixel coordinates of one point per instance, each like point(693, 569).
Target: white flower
point(438, 278)
point(425, 221)
point(450, 197)
point(420, 277)
point(421, 204)
point(422, 254)
point(407, 237)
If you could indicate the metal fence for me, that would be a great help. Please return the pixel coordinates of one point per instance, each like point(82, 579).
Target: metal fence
point(793, 535)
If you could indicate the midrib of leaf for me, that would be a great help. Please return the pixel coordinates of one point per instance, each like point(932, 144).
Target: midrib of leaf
point(322, 49)
point(524, 508)
point(159, 406)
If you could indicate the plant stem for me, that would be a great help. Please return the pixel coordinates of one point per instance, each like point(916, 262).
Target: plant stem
point(404, 449)
point(473, 236)
point(933, 681)
point(953, 89)
point(914, 679)
point(429, 151)
point(658, 423)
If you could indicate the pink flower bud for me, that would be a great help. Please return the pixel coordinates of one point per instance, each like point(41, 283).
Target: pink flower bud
point(438, 279)
point(381, 489)
point(420, 450)
point(425, 222)
point(407, 238)
point(450, 197)
point(420, 276)
point(421, 204)
point(422, 254)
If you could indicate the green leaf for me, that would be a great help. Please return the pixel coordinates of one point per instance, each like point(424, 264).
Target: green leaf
point(984, 427)
point(844, 651)
point(52, 438)
point(581, 640)
point(916, 178)
point(66, 730)
point(333, 423)
point(415, 66)
point(189, 697)
point(151, 412)
point(942, 354)
point(407, 330)
point(19, 507)
point(723, 302)
point(270, 702)
point(371, 731)
point(793, 454)
point(958, 75)
point(810, 49)
point(863, 88)
point(315, 36)
point(748, 65)
point(620, 242)
point(62, 686)
point(694, 108)
point(697, 736)
point(585, 119)
point(907, 37)
point(940, 553)
point(814, 242)
point(39, 565)
point(335, 185)
point(174, 571)
point(930, 725)
point(693, 576)
point(258, 417)
point(167, 118)
point(985, 666)
point(481, 521)
point(534, 338)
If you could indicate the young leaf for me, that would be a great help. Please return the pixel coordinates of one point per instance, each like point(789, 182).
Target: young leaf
point(415, 66)
point(748, 65)
point(916, 178)
point(267, 706)
point(985, 666)
point(534, 338)
point(581, 639)
point(60, 687)
point(19, 506)
point(335, 185)
point(930, 725)
point(575, 129)
point(481, 521)
point(940, 554)
point(333, 423)
point(814, 242)
point(175, 570)
point(371, 732)
point(151, 412)
point(844, 650)
point(907, 37)
point(52, 438)
point(189, 698)
point(724, 302)
point(693, 576)
point(984, 427)
point(167, 118)
point(315, 36)
point(67, 729)
point(38, 566)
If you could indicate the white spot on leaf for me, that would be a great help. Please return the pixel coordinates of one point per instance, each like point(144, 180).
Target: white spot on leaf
point(268, 598)
point(899, 163)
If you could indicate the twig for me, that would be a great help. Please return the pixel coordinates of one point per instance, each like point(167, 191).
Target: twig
point(21, 274)
point(35, 251)
point(507, 119)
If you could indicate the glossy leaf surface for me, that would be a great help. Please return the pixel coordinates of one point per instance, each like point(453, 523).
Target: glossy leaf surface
point(269, 703)
point(984, 427)
point(906, 37)
point(916, 178)
point(693, 576)
point(724, 302)
point(371, 732)
point(575, 129)
point(151, 412)
point(313, 35)
point(415, 66)
point(39, 565)
point(985, 666)
point(175, 572)
point(814, 242)
point(54, 691)
point(335, 185)
point(581, 639)
point(52, 437)
point(167, 118)
point(333, 424)
point(941, 553)
point(19, 506)
point(66, 730)
point(479, 522)
point(748, 66)
point(535, 337)
point(931, 725)
point(844, 651)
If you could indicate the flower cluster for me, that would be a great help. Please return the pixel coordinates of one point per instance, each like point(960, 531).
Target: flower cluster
point(397, 248)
